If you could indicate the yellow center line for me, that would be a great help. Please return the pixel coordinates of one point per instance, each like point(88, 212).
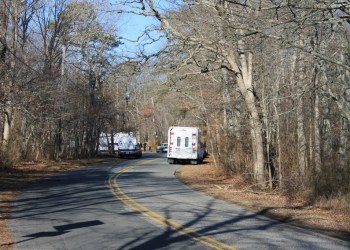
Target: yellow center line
point(136, 206)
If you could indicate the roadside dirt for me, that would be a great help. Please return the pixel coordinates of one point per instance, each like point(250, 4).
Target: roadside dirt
point(205, 178)
point(202, 177)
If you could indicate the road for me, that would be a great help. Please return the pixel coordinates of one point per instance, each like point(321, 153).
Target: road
point(140, 204)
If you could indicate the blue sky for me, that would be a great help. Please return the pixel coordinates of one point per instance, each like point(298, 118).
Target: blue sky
point(132, 26)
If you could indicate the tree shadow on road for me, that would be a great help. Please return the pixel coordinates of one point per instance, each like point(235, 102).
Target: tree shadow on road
point(88, 189)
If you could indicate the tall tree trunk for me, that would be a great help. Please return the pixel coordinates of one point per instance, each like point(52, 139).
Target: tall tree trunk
point(9, 109)
point(59, 134)
point(317, 122)
point(3, 50)
point(268, 131)
point(245, 83)
point(228, 112)
point(302, 147)
point(296, 78)
point(3, 32)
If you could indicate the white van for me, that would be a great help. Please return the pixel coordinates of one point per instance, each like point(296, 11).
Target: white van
point(184, 145)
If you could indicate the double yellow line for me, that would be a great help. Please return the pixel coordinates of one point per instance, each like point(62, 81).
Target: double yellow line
point(131, 203)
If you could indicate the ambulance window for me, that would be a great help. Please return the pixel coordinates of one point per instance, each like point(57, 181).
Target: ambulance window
point(178, 141)
point(186, 142)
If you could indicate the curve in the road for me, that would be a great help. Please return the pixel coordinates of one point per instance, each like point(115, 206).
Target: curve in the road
point(159, 219)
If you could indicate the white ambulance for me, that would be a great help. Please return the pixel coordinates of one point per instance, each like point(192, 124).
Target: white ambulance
point(184, 145)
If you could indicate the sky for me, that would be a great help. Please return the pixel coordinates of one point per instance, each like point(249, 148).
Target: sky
point(132, 26)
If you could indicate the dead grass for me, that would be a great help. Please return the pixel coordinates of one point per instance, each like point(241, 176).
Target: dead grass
point(12, 182)
point(233, 189)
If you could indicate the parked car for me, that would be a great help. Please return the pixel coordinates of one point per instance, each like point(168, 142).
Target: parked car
point(128, 147)
point(162, 148)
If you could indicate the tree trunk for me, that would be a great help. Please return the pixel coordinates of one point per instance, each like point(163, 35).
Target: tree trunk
point(302, 147)
point(7, 128)
point(345, 126)
point(317, 122)
point(228, 112)
point(245, 83)
point(9, 109)
point(3, 50)
point(297, 73)
point(3, 31)
point(268, 131)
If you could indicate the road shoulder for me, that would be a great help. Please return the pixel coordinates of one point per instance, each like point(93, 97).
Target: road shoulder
point(232, 189)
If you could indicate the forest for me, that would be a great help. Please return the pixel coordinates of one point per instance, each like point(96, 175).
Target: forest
point(267, 81)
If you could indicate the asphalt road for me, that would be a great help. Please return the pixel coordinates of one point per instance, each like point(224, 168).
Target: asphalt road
point(139, 204)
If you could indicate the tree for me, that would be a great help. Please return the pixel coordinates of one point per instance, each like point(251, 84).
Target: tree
point(234, 36)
